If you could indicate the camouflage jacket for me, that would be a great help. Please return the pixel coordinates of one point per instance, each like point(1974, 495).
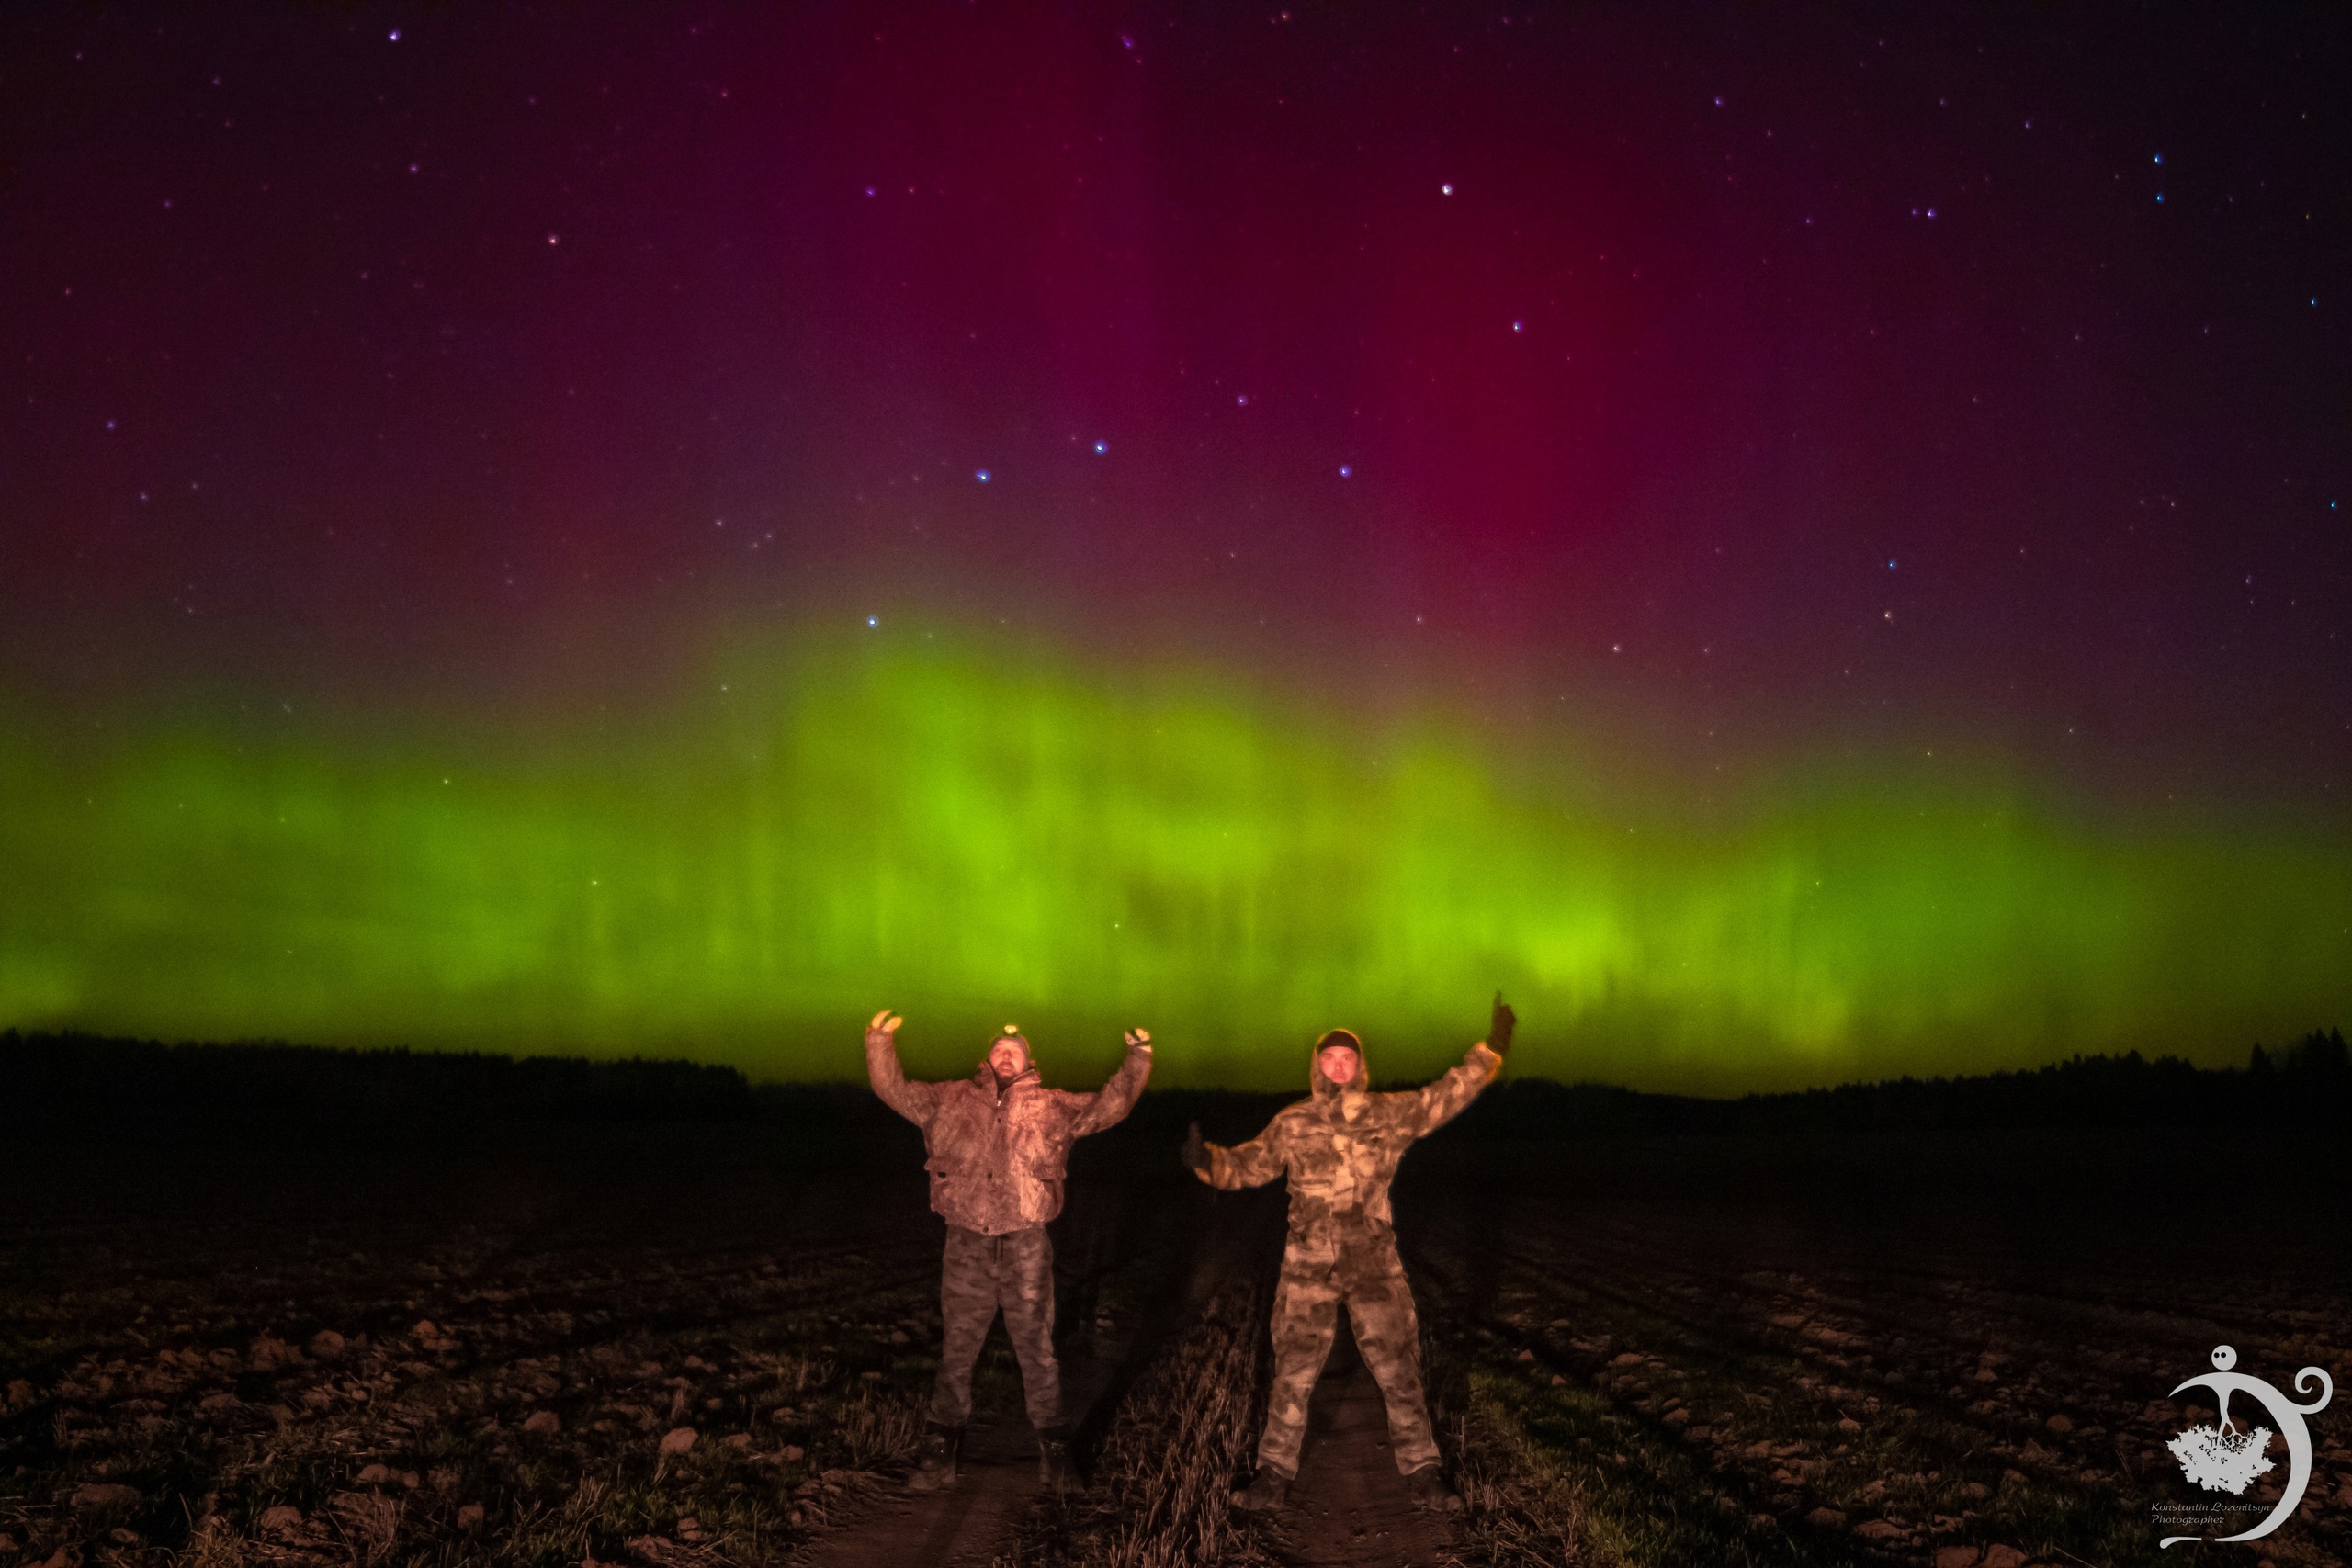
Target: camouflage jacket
point(1340, 1148)
point(996, 1160)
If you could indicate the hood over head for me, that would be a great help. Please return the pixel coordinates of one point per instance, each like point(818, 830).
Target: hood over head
point(1324, 1086)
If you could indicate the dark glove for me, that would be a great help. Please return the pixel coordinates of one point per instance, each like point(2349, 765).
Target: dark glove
point(1196, 1153)
point(1499, 1029)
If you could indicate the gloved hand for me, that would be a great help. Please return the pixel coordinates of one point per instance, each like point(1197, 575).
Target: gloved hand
point(884, 1030)
point(1196, 1153)
point(1138, 1039)
point(1500, 1027)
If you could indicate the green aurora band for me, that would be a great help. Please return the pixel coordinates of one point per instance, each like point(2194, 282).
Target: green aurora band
point(973, 836)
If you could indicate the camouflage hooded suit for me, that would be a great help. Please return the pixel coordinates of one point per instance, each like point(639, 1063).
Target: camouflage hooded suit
point(1340, 1148)
point(996, 1157)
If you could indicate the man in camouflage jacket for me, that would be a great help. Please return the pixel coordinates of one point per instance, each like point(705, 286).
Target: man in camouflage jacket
point(997, 1143)
point(1340, 1148)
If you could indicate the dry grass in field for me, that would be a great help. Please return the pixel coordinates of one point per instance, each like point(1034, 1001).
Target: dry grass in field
point(1160, 1493)
point(1655, 1383)
point(1523, 1505)
point(432, 1471)
point(706, 1411)
point(1674, 1375)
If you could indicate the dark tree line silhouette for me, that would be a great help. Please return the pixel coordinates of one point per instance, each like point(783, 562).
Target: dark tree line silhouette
point(64, 1082)
point(2304, 1084)
point(80, 1077)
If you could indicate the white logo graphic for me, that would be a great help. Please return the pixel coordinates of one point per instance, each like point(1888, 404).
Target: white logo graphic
point(2219, 1459)
point(2222, 1458)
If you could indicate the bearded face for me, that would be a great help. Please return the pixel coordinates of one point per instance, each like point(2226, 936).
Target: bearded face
point(1008, 1059)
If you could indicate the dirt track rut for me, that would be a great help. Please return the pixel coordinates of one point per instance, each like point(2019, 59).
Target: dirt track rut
point(1193, 1336)
point(1350, 1508)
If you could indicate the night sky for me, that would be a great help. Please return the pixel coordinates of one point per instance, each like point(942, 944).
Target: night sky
point(1797, 546)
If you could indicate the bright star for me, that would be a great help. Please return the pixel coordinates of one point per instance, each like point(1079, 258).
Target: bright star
point(1445, 190)
point(981, 475)
point(1345, 471)
point(872, 620)
point(1102, 446)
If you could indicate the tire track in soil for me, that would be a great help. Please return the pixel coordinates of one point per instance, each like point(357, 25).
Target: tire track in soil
point(1349, 1507)
point(995, 1482)
point(997, 1486)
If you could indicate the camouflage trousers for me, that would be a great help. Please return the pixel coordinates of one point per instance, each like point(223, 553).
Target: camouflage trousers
point(1369, 1279)
point(980, 1275)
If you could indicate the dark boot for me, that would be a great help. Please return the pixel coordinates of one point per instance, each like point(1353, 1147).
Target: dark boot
point(1053, 1457)
point(936, 1459)
point(1265, 1495)
point(1429, 1491)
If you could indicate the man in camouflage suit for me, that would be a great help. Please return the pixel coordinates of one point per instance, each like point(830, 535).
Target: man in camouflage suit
point(1340, 1148)
point(997, 1143)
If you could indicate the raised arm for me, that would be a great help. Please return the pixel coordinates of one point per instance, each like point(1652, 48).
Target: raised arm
point(915, 1101)
point(1447, 1097)
point(1109, 1105)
